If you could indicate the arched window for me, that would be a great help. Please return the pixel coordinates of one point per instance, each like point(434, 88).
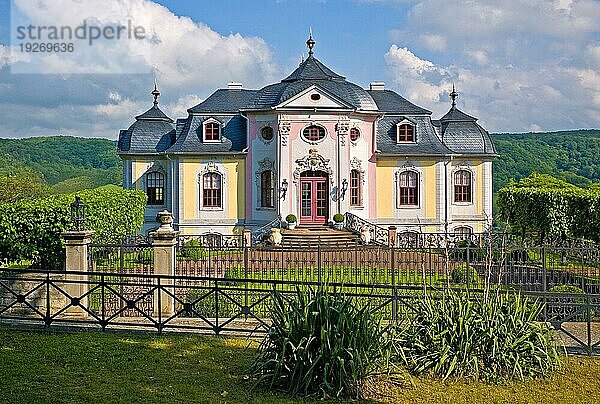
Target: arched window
point(354, 134)
point(212, 131)
point(463, 230)
point(313, 133)
point(355, 194)
point(211, 190)
point(267, 133)
point(267, 189)
point(462, 186)
point(409, 188)
point(155, 188)
point(406, 133)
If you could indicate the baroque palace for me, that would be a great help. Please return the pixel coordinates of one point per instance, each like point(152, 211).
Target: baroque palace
point(312, 145)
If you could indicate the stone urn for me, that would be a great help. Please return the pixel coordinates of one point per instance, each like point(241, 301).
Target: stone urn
point(365, 235)
point(165, 218)
point(275, 237)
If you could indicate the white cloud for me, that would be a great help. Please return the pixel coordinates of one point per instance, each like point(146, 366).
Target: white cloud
point(188, 58)
point(517, 65)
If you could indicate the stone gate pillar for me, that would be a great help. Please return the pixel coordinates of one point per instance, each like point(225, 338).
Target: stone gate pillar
point(164, 240)
point(76, 247)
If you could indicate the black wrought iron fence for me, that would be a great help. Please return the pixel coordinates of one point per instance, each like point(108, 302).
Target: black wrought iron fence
point(235, 305)
point(122, 262)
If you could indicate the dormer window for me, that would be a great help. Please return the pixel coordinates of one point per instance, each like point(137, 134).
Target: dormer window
point(212, 131)
point(406, 133)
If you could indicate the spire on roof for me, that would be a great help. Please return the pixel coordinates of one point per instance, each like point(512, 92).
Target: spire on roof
point(155, 93)
point(310, 42)
point(453, 95)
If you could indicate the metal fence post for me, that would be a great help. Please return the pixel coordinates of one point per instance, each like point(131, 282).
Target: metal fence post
point(319, 261)
point(394, 290)
point(589, 323)
point(468, 268)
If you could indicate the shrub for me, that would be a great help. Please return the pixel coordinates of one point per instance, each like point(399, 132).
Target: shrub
point(567, 308)
point(31, 229)
point(291, 218)
point(459, 335)
point(320, 344)
point(338, 218)
point(460, 275)
point(192, 250)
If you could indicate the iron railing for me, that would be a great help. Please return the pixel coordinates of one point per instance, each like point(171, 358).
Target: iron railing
point(377, 234)
point(232, 305)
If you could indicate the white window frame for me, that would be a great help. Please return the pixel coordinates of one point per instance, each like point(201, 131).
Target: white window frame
point(205, 123)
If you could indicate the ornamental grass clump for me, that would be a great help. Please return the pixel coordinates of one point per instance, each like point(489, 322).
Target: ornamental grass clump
point(461, 335)
point(320, 344)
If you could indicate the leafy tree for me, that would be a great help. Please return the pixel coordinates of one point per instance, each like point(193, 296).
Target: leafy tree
point(21, 185)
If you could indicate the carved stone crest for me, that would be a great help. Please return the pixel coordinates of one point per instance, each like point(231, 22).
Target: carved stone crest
point(312, 162)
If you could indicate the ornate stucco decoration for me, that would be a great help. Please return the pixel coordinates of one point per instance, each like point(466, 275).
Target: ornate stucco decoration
point(284, 131)
point(211, 167)
point(342, 128)
point(312, 162)
point(356, 164)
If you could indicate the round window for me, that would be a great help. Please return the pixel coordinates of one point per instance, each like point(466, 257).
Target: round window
point(354, 134)
point(315, 97)
point(267, 133)
point(313, 133)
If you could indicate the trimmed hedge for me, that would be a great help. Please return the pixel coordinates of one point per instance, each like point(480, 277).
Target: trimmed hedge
point(31, 229)
point(551, 207)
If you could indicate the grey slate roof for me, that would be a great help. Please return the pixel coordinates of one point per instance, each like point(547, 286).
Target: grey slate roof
point(275, 94)
point(189, 135)
point(389, 101)
point(225, 100)
point(427, 142)
point(313, 69)
point(152, 132)
point(462, 134)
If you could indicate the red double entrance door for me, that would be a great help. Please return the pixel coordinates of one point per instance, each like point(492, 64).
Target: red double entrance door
point(313, 198)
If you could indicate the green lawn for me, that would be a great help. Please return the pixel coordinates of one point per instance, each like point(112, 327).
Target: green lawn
point(39, 366)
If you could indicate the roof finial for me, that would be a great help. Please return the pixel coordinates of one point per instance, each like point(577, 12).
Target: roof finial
point(155, 93)
point(453, 95)
point(310, 42)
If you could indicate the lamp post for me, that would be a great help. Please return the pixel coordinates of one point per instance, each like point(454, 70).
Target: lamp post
point(77, 215)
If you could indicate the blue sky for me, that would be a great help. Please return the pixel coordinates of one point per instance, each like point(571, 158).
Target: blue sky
point(518, 66)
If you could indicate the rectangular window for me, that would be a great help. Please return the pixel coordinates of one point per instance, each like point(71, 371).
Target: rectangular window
point(266, 189)
point(409, 195)
point(155, 188)
point(211, 191)
point(355, 188)
point(462, 186)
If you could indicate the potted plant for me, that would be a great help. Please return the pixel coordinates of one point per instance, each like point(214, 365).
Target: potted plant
point(338, 221)
point(291, 221)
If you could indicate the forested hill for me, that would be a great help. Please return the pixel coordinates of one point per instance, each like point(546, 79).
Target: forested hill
point(69, 163)
point(573, 156)
point(64, 162)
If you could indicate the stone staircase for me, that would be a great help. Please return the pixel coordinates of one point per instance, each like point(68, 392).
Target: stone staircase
point(313, 236)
